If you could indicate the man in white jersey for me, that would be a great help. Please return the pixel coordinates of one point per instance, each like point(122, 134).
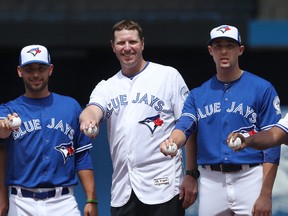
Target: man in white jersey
point(141, 104)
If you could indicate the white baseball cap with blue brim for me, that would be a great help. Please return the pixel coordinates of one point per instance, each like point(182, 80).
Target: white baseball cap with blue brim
point(225, 31)
point(34, 54)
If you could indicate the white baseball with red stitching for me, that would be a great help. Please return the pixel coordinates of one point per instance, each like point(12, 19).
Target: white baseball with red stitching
point(235, 144)
point(15, 122)
point(91, 131)
point(171, 149)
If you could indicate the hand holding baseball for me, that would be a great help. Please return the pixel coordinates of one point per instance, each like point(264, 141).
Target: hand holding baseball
point(169, 148)
point(234, 141)
point(14, 122)
point(91, 131)
point(234, 144)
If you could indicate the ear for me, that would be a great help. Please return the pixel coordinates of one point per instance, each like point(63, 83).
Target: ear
point(209, 50)
point(143, 44)
point(112, 45)
point(19, 70)
point(241, 49)
point(51, 68)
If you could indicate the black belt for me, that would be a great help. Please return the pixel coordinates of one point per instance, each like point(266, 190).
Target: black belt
point(39, 195)
point(228, 167)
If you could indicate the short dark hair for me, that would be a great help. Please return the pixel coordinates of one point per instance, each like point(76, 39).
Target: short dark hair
point(129, 25)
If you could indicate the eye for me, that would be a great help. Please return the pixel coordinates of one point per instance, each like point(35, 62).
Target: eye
point(121, 43)
point(217, 46)
point(230, 46)
point(28, 70)
point(133, 42)
point(42, 68)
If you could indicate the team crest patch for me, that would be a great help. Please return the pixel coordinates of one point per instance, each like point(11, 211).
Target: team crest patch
point(246, 131)
point(152, 122)
point(184, 92)
point(66, 149)
point(276, 104)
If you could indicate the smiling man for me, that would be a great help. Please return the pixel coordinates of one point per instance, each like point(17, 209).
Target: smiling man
point(47, 151)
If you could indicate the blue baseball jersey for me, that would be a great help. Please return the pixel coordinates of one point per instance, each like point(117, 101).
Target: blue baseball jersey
point(48, 149)
point(215, 109)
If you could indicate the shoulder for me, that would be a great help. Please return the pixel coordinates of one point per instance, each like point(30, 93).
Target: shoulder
point(162, 67)
point(115, 78)
point(257, 80)
point(12, 105)
point(163, 72)
point(206, 84)
point(65, 99)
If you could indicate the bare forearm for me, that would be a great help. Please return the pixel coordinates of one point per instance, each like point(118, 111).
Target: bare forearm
point(267, 139)
point(87, 179)
point(191, 152)
point(178, 137)
point(91, 113)
point(269, 175)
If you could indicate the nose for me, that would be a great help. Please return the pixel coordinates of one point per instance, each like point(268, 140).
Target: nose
point(224, 49)
point(127, 46)
point(35, 73)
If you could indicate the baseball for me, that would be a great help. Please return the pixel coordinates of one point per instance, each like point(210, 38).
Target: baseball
point(91, 131)
point(235, 144)
point(15, 123)
point(171, 149)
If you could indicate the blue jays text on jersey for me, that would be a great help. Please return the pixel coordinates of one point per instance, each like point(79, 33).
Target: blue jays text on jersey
point(246, 112)
point(35, 124)
point(144, 98)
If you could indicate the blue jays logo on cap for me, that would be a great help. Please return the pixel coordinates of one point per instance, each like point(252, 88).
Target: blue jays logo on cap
point(223, 29)
point(34, 51)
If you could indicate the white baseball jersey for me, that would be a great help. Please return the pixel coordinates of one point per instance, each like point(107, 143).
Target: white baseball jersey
point(283, 123)
point(141, 113)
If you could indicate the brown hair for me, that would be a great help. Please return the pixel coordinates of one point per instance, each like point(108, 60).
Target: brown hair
point(128, 25)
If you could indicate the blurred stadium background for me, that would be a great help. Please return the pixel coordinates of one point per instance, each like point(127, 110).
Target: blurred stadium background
point(77, 33)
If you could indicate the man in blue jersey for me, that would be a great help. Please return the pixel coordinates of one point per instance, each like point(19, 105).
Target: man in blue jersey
point(232, 100)
point(47, 150)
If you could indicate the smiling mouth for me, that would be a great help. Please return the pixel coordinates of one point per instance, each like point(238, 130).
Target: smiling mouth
point(36, 82)
point(224, 59)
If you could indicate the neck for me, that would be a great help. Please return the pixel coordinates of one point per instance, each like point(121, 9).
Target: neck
point(30, 94)
point(130, 72)
point(229, 76)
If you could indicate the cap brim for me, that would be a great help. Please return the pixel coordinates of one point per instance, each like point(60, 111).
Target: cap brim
point(34, 61)
point(212, 40)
